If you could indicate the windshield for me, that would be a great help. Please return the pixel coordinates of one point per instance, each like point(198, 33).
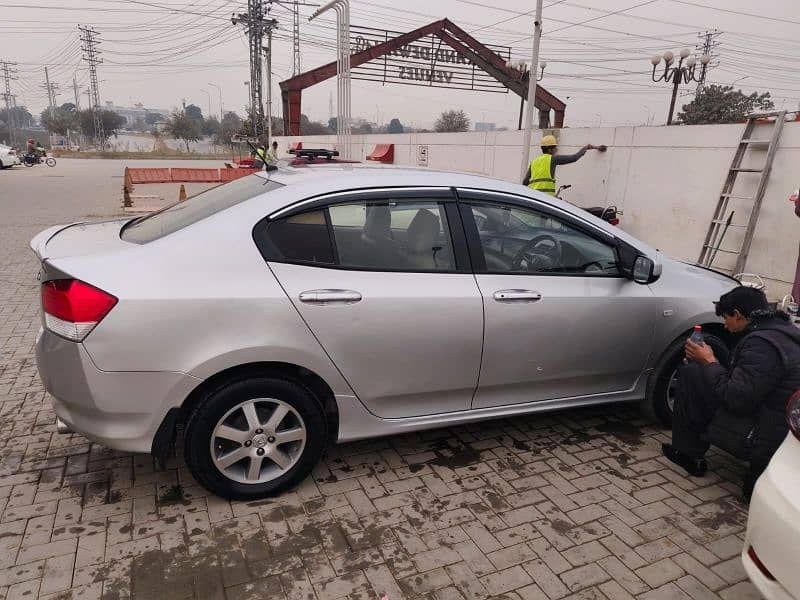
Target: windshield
point(177, 216)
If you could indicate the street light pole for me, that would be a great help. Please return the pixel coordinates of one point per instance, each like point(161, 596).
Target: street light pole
point(219, 89)
point(526, 141)
point(681, 73)
point(207, 93)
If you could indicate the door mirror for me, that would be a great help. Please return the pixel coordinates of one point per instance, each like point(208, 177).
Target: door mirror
point(645, 270)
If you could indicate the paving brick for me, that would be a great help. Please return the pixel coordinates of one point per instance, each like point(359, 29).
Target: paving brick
point(546, 579)
point(659, 573)
point(583, 577)
point(732, 570)
point(506, 580)
point(586, 553)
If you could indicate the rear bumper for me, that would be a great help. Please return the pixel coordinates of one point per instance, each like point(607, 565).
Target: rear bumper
point(118, 409)
point(773, 525)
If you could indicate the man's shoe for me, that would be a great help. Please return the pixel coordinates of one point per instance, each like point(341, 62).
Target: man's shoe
point(696, 467)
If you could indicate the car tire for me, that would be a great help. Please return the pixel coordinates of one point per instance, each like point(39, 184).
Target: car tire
point(657, 404)
point(267, 466)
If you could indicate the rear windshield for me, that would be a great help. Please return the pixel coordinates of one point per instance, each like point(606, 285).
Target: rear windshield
point(172, 218)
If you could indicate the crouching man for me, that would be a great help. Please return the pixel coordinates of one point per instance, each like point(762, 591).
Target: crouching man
point(740, 408)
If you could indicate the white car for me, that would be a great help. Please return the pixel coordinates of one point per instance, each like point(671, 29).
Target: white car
point(771, 552)
point(8, 157)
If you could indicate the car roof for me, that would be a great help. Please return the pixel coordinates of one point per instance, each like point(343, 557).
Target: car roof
point(316, 180)
point(347, 176)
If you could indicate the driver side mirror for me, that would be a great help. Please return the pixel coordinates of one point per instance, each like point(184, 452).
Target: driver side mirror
point(645, 270)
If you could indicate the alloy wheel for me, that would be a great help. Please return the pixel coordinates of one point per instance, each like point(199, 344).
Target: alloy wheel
point(258, 440)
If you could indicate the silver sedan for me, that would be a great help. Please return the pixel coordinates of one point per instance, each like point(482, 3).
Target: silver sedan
point(287, 310)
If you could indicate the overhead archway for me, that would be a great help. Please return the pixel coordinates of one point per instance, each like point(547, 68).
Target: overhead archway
point(459, 40)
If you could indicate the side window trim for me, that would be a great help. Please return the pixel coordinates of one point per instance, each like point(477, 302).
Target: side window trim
point(475, 246)
point(491, 197)
point(440, 195)
point(443, 194)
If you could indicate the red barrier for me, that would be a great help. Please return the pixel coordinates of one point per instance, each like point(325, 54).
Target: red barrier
point(382, 153)
point(181, 175)
point(149, 175)
point(226, 175)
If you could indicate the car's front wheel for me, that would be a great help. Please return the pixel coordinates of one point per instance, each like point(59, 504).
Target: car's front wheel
point(662, 386)
point(254, 437)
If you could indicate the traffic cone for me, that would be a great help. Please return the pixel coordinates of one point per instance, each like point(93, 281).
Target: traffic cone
point(182, 194)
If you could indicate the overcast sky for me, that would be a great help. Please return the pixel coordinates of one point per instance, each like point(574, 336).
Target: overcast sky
point(159, 52)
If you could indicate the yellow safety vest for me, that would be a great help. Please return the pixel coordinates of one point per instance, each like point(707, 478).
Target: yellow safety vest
point(541, 178)
point(261, 154)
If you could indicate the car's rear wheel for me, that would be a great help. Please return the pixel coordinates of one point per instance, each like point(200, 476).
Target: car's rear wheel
point(662, 387)
point(254, 437)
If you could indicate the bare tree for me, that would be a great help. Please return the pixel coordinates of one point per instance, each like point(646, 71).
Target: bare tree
point(452, 120)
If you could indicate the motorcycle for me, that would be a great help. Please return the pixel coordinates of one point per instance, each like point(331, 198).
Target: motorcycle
point(34, 158)
point(609, 214)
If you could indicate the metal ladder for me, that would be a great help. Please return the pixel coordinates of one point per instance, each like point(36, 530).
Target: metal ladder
point(722, 219)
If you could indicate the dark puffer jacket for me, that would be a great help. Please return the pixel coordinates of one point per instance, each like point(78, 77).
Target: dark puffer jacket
point(764, 373)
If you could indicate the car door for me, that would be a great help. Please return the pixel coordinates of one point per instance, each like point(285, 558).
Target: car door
point(561, 321)
point(383, 281)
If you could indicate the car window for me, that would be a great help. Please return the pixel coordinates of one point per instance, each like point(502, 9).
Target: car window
point(518, 240)
point(303, 238)
point(177, 216)
point(392, 236)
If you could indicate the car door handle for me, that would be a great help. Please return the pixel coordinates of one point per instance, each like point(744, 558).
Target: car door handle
point(329, 296)
point(517, 296)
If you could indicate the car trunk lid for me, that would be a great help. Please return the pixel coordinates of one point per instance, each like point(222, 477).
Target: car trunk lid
point(78, 239)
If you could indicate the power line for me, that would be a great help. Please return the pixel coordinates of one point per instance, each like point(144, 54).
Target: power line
point(738, 12)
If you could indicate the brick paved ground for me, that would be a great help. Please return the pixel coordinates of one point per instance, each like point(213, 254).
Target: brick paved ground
point(576, 504)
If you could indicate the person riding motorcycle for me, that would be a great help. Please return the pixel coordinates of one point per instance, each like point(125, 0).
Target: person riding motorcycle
point(541, 174)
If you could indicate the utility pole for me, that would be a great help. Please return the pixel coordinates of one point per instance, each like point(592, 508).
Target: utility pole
point(77, 94)
point(256, 24)
point(51, 92)
point(295, 38)
point(707, 47)
point(92, 56)
point(526, 141)
point(9, 74)
point(269, 84)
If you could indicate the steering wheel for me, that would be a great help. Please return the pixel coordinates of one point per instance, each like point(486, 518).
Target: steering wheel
point(535, 256)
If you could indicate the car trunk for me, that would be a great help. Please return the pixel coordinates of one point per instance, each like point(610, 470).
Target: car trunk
point(78, 239)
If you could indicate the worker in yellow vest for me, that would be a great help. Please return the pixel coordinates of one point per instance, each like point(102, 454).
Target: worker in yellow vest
point(541, 174)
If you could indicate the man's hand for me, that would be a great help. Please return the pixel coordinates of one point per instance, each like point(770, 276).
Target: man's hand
point(700, 354)
point(601, 148)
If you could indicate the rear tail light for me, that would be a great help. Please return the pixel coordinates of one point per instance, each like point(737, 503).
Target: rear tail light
point(793, 414)
point(757, 562)
point(73, 308)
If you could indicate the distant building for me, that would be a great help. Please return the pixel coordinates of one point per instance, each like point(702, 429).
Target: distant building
point(484, 126)
point(138, 111)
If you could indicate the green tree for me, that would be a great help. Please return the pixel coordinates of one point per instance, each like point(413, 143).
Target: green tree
point(195, 113)
point(110, 120)
point(139, 125)
point(723, 104)
point(452, 120)
point(210, 126)
point(309, 127)
point(182, 127)
point(59, 121)
point(230, 126)
point(152, 118)
point(395, 126)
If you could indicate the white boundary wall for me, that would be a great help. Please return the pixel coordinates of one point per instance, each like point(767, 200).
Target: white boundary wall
point(666, 180)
